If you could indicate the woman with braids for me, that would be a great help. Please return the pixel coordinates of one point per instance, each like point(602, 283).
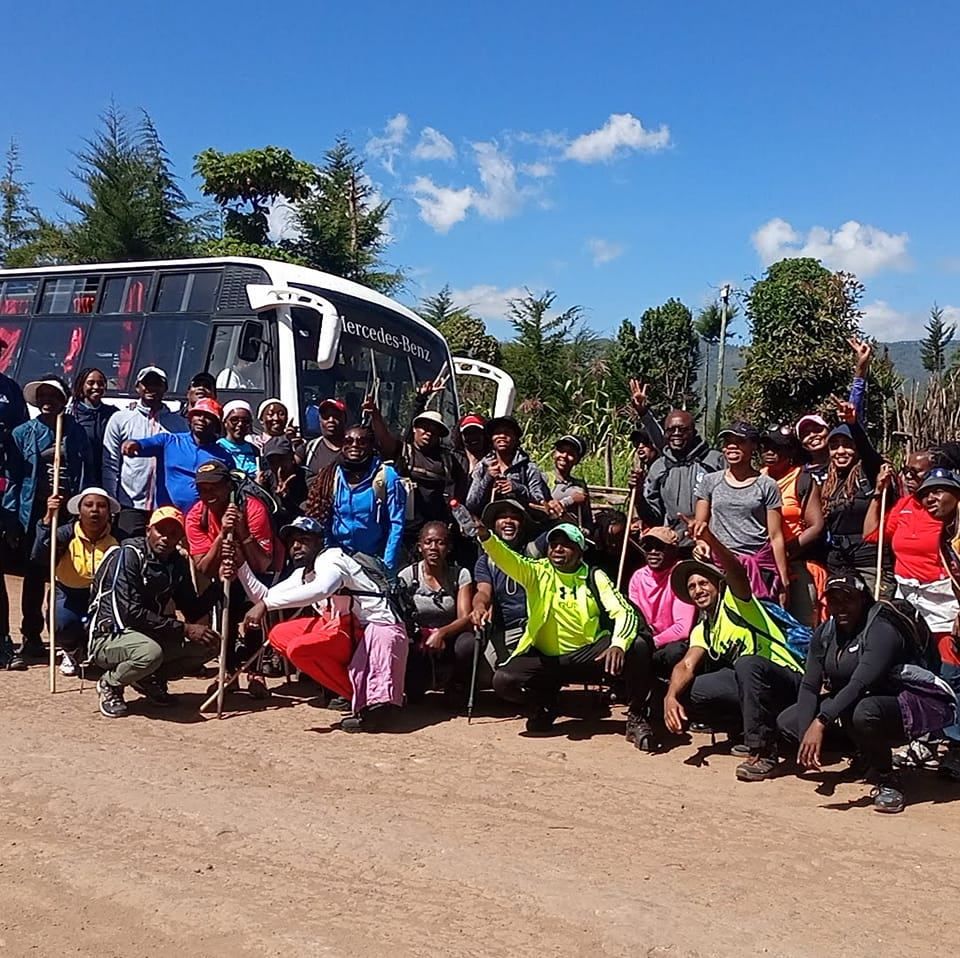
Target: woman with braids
point(360, 501)
point(847, 491)
point(92, 413)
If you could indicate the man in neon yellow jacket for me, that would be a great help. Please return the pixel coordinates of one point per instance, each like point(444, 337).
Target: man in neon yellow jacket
point(578, 627)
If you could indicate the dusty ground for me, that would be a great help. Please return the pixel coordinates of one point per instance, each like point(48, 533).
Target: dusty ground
point(269, 833)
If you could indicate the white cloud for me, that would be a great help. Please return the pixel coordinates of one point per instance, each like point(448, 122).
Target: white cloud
point(441, 207)
point(621, 133)
point(280, 221)
point(604, 251)
point(386, 148)
point(487, 301)
point(854, 247)
point(537, 170)
point(501, 197)
point(433, 145)
point(890, 325)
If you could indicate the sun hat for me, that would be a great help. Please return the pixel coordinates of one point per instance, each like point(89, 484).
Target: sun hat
point(206, 407)
point(73, 503)
point(434, 418)
point(688, 567)
point(304, 525)
point(663, 534)
point(571, 532)
point(500, 507)
point(165, 512)
point(31, 389)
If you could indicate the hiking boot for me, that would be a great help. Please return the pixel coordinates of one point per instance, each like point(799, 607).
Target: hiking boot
point(7, 651)
point(950, 763)
point(541, 721)
point(339, 704)
point(374, 718)
point(32, 649)
point(154, 690)
point(757, 767)
point(112, 704)
point(887, 796)
point(639, 733)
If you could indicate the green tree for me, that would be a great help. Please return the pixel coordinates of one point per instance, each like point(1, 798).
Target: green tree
point(933, 349)
point(247, 184)
point(465, 333)
point(342, 224)
point(130, 207)
point(707, 326)
point(15, 215)
point(800, 317)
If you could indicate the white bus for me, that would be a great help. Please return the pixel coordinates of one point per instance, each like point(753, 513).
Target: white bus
point(261, 328)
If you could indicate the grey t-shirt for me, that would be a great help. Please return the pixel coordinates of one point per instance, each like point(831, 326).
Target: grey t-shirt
point(738, 514)
point(435, 609)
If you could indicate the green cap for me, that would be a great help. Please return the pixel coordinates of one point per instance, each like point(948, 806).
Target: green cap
point(574, 534)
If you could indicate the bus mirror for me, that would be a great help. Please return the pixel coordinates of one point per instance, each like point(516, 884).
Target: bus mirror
point(251, 341)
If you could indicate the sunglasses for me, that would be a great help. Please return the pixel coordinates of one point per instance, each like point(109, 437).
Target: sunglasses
point(356, 441)
point(908, 472)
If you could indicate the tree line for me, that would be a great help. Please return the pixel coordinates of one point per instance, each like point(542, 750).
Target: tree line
point(128, 204)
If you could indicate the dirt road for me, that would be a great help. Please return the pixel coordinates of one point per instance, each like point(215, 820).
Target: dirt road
point(269, 833)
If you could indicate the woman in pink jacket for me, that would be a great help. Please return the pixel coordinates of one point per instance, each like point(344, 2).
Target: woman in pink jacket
point(670, 619)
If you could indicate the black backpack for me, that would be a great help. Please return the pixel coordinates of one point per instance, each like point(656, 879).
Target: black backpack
point(244, 486)
point(387, 586)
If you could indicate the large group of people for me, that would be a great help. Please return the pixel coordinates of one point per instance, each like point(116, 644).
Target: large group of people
point(788, 589)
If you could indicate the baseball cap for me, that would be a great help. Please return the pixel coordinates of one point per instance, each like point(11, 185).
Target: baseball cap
point(472, 421)
point(940, 478)
point(165, 512)
point(842, 430)
point(504, 423)
point(811, 419)
point(337, 404)
point(304, 525)
point(577, 444)
point(569, 530)
point(213, 470)
point(435, 418)
point(848, 580)
point(781, 438)
point(207, 380)
point(277, 446)
point(663, 534)
point(151, 371)
point(31, 389)
point(743, 430)
point(73, 503)
point(208, 407)
point(640, 437)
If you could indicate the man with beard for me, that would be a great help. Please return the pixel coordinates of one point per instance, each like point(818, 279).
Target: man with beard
point(360, 501)
point(507, 472)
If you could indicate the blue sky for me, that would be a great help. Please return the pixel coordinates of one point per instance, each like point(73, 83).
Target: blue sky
point(617, 153)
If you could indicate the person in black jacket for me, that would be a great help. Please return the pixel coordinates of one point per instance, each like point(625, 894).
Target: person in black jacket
point(851, 688)
point(13, 412)
point(91, 412)
point(132, 636)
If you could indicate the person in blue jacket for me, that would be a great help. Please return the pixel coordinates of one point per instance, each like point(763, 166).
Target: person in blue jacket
point(13, 412)
point(180, 454)
point(30, 483)
point(360, 501)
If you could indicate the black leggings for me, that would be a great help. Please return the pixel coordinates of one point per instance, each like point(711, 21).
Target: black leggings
point(873, 727)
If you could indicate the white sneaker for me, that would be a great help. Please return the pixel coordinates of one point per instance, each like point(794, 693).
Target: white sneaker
point(68, 665)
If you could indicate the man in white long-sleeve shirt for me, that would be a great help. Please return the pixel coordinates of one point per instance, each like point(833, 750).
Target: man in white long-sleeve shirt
point(350, 641)
point(133, 482)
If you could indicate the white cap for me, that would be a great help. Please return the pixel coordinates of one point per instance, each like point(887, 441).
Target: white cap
point(156, 370)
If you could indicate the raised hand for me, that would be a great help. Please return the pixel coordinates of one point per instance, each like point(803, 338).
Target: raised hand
point(846, 411)
point(863, 352)
point(638, 395)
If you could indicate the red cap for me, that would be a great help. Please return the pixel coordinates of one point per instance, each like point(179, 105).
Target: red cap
point(337, 404)
point(209, 407)
point(473, 421)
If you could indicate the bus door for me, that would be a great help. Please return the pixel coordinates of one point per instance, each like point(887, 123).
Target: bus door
point(483, 387)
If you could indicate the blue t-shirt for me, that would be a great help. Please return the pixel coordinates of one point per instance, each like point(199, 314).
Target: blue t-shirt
point(178, 458)
point(510, 601)
point(244, 454)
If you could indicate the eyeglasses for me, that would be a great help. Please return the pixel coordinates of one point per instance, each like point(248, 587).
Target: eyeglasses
point(908, 472)
point(356, 441)
point(671, 429)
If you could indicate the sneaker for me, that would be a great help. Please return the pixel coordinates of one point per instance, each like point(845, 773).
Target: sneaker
point(154, 690)
point(7, 651)
point(339, 704)
point(950, 763)
point(112, 704)
point(887, 796)
point(67, 664)
point(33, 649)
point(374, 718)
point(916, 755)
point(353, 723)
point(639, 733)
point(737, 746)
point(757, 767)
point(542, 720)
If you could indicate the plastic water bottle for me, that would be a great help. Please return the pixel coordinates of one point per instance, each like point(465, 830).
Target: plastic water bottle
point(468, 525)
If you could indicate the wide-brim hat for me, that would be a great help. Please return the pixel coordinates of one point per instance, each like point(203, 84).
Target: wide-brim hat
point(494, 510)
point(434, 418)
point(73, 503)
point(31, 389)
point(688, 567)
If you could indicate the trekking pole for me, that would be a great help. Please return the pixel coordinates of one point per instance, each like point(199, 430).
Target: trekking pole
point(883, 517)
point(478, 635)
point(52, 601)
point(626, 536)
point(224, 627)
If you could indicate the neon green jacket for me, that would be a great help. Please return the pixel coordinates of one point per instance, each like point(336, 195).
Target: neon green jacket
point(562, 613)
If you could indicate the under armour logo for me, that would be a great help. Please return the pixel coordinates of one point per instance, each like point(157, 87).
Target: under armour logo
point(563, 593)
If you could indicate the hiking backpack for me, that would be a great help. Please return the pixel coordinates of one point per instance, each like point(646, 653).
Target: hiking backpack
point(796, 635)
point(388, 586)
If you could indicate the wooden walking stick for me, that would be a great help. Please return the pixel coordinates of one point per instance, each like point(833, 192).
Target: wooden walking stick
point(224, 635)
point(626, 536)
point(52, 601)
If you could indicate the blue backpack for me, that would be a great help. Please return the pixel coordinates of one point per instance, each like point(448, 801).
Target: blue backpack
point(796, 635)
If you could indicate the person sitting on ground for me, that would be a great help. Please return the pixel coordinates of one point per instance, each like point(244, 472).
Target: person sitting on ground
point(275, 422)
point(855, 687)
point(353, 643)
point(507, 472)
point(442, 595)
point(325, 450)
point(80, 548)
point(283, 478)
point(133, 482)
point(669, 617)
point(237, 423)
point(180, 454)
point(739, 672)
point(500, 602)
point(605, 545)
point(743, 509)
point(579, 628)
point(803, 523)
point(134, 637)
point(360, 500)
point(474, 438)
point(30, 460)
point(570, 497)
point(92, 413)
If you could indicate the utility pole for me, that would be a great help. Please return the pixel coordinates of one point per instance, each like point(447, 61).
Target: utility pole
point(722, 348)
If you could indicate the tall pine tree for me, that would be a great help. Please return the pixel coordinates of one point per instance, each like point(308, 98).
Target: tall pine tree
point(933, 349)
